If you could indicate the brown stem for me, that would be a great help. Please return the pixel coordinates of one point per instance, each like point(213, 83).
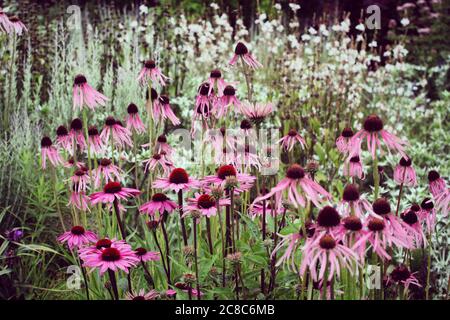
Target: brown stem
point(119, 220)
point(183, 226)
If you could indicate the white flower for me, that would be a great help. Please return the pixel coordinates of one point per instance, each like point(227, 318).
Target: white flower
point(214, 5)
point(311, 30)
point(306, 37)
point(360, 27)
point(373, 44)
point(277, 6)
point(294, 6)
point(143, 9)
point(404, 22)
point(134, 24)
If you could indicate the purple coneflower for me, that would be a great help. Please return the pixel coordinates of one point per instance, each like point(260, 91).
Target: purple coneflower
point(427, 214)
point(142, 295)
point(133, 120)
point(106, 172)
point(203, 102)
point(151, 72)
point(245, 181)
point(404, 173)
point(16, 25)
point(80, 180)
point(241, 51)
point(227, 98)
point(162, 110)
point(373, 132)
point(288, 142)
point(77, 237)
point(402, 275)
point(353, 168)
point(343, 141)
point(84, 94)
point(296, 179)
point(177, 180)
point(4, 22)
point(158, 159)
point(76, 134)
point(120, 135)
point(205, 204)
point(352, 203)
point(79, 200)
point(159, 203)
point(63, 139)
point(94, 141)
point(436, 183)
point(50, 152)
point(145, 255)
point(255, 112)
point(111, 191)
point(413, 225)
point(215, 79)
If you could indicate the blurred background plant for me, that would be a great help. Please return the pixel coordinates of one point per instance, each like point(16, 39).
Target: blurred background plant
point(322, 70)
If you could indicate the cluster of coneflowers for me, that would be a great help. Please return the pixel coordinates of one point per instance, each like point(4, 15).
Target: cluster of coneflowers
point(335, 241)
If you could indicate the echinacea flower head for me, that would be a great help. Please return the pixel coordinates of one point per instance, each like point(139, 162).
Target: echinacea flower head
point(76, 134)
point(63, 139)
point(215, 79)
point(373, 131)
point(436, 183)
point(205, 204)
point(133, 120)
point(5, 24)
point(404, 173)
point(353, 168)
point(203, 102)
point(94, 141)
point(106, 172)
point(77, 237)
point(150, 72)
point(352, 203)
point(159, 203)
point(145, 255)
point(244, 181)
point(162, 110)
point(343, 141)
point(85, 95)
point(413, 226)
point(328, 218)
point(17, 26)
point(80, 180)
point(255, 112)
point(288, 142)
point(241, 51)
point(299, 188)
point(427, 214)
point(120, 135)
point(142, 295)
point(443, 202)
point(113, 255)
point(402, 275)
point(177, 180)
point(158, 160)
point(328, 253)
point(79, 200)
point(49, 151)
point(227, 98)
point(111, 191)
point(246, 126)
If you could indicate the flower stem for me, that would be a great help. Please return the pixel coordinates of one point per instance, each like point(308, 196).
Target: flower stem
point(183, 226)
point(112, 278)
point(196, 258)
point(166, 240)
point(119, 220)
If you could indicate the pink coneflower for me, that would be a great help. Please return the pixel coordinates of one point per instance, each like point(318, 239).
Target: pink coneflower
point(177, 180)
point(111, 191)
point(288, 142)
point(84, 94)
point(215, 79)
point(142, 295)
point(171, 293)
point(118, 255)
point(120, 135)
point(219, 140)
point(226, 155)
point(255, 112)
point(4, 22)
point(205, 204)
point(328, 221)
point(151, 72)
point(380, 238)
point(373, 131)
point(427, 214)
point(203, 102)
point(50, 152)
point(79, 200)
point(443, 202)
point(256, 209)
point(70, 163)
point(350, 231)
point(352, 203)
point(241, 51)
point(80, 180)
point(159, 203)
point(343, 141)
point(162, 110)
point(436, 183)
point(296, 179)
point(413, 225)
point(245, 181)
point(162, 146)
point(106, 172)
point(156, 160)
point(77, 237)
point(133, 120)
point(76, 134)
point(247, 157)
point(246, 127)
point(63, 139)
point(94, 141)
point(382, 209)
point(328, 253)
point(16, 25)
point(223, 102)
point(353, 168)
point(404, 173)
point(145, 255)
point(402, 275)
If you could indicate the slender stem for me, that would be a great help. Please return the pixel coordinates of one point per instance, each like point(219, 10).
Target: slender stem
point(86, 285)
point(55, 198)
point(325, 280)
point(400, 192)
point(183, 226)
point(376, 177)
point(112, 278)
point(196, 258)
point(136, 166)
point(119, 220)
point(166, 240)
point(263, 275)
point(9, 104)
point(149, 278)
point(223, 244)
point(208, 231)
point(161, 252)
point(427, 287)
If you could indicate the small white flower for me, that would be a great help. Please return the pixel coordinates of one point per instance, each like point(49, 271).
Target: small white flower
point(306, 37)
point(360, 27)
point(277, 6)
point(294, 6)
point(404, 22)
point(134, 24)
point(373, 44)
point(311, 30)
point(143, 9)
point(214, 5)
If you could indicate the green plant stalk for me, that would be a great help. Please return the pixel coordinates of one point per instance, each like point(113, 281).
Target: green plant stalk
point(11, 66)
point(112, 278)
point(219, 216)
point(325, 281)
point(55, 198)
point(427, 287)
point(194, 225)
point(400, 192)
point(166, 240)
point(376, 177)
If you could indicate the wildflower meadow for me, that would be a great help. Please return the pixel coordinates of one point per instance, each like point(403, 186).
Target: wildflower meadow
point(193, 150)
